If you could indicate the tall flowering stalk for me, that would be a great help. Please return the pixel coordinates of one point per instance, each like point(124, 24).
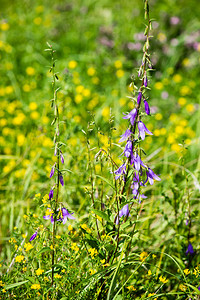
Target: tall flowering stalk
point(57, 213)
point(134, 134)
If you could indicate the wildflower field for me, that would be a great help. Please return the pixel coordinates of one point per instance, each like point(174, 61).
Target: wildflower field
point(99, 149)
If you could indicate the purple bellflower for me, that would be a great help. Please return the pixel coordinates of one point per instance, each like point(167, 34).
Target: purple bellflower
point(151, 176)
point(51, 194)
point(125, 136)
point(190, 249)
point(146, 107)
point(128, 151)
point(132, 115)
point(123, 212)
point(33, 236)
point(61, 158)
point(65, 215)
point(49, 215)
point(121, 170)
point(137, 162)
point(139, 98)
point(52, 171)
point(142, 129)
point(61, 179)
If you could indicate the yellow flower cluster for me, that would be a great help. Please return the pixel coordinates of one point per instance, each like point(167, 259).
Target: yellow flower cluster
point(75, 247)
point(39, 272)
point(143, 256)
point(28, 246)
point(163, 279)
point(57, 276)
point(152, 294)
point(35, 286)
point(86, 228)
point(93, 252)
point(19, 258)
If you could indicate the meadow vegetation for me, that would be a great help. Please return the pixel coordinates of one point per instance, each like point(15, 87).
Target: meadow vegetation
point(99, 142)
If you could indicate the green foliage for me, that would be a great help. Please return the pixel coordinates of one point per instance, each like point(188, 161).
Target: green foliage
point(98, 46)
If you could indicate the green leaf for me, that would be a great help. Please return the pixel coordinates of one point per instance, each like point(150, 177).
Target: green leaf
point(106, 180)
point(14, 285)
point(46, 249)
point(101, 214)
point(113, 282)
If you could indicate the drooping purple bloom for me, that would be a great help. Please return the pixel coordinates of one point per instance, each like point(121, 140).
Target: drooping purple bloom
point(199, 288)
point(123, 212)
point(125, 136)
point(121, 170)
point(187, 222)
point(151, 176)
point(52, 171)
point(142, 129)
point(132, 115)
point(51, 194)
point(146, 107)
point(128, 150)
point(139, 98)
point(49, 215)
point(61, 179)
point(61, 158)
point(66, 215)
point(33, 236)
point(137, 162)
point(190, 249)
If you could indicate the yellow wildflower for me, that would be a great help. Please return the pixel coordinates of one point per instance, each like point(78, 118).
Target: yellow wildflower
point(33, 106)
point(143, 255)
point(186, 271)
point(152, 294)
point(5, 26)
point(190, 107)
point(131, 288)
point(70, 228)
point(106, 112)
point(86, 228)
point(163, 279)
point(120, 73)
point(158, 86)
point(91, 71)
point(93, 252)
point(92, 271)
point(177, 78)
point(30, 71)
point(46, 278)
point(185, 90)
point(95, 80)
point(39, 272)
point(28, 246)
point(57, 276)
point(19, 258)
point(182, 101)
point(72, 64)
point(158, 116)
point(35, 286)
point(118, 64)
